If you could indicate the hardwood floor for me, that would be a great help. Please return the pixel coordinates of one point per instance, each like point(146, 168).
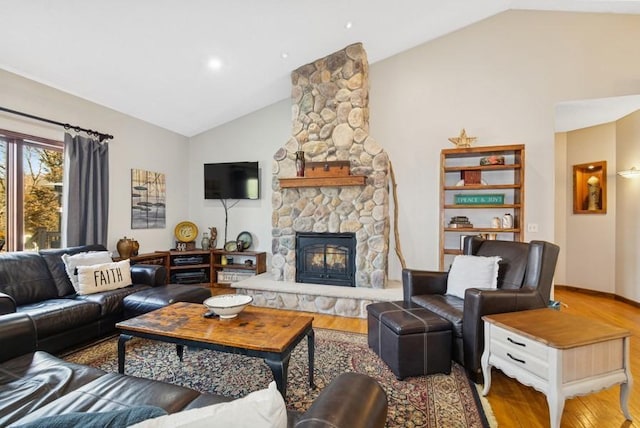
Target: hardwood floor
point(515, 405)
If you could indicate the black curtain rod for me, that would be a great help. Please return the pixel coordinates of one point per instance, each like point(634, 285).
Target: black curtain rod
point(76, 128)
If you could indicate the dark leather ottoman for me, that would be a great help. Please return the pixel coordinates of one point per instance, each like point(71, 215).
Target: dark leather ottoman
point(158, 297)
point(411, 340)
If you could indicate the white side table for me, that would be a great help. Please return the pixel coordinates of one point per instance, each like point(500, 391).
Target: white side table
point(559, 354)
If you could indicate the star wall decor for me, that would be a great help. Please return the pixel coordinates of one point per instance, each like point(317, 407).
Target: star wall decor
point(463, 141)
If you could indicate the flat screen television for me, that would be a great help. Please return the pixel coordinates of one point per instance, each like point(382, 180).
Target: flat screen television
point(231, 180)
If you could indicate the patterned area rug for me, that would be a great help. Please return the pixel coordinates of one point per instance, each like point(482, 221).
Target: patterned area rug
point(424, 401)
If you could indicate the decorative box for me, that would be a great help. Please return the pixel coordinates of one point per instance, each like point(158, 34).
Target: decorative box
point(471, 176)
point(327, 169)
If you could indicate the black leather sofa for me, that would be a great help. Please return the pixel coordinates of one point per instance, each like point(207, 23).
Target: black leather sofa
point(36, 385)
point(36, 283)
point(525, 279)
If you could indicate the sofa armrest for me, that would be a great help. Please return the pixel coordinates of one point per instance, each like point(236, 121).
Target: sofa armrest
point(352, 400)
point(18, 333)
point(481, 302)
point(153, 275)
point(7, 304)
point(416, 282)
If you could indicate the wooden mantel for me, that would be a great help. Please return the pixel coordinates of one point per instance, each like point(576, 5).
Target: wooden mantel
point(348, 180)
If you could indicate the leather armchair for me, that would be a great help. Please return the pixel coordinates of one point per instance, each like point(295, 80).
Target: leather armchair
point(525, 280)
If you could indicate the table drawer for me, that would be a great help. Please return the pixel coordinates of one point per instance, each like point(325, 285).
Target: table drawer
point(521, 359)
point(520, 344)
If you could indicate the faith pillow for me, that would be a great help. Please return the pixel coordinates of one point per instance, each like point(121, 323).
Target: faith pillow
point(83, 259)
point(472, 272)
point(103, 277)
point(260, 409)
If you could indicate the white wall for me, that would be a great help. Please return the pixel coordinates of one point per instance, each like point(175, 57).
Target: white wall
point(500, 79)
point(137, 144)
point(255, 137)
point(627, 264)
point(590, 245)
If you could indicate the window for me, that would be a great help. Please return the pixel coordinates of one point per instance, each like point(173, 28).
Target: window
point(31, 171)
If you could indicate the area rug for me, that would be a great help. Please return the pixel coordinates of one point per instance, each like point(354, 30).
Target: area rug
point(424, 401)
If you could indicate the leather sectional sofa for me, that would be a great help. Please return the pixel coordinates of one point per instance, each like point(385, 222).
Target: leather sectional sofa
point(36, 387)
point(37, 284)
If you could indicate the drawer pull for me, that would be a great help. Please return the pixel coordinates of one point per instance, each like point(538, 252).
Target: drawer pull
point(516, 359)
point(516, 343)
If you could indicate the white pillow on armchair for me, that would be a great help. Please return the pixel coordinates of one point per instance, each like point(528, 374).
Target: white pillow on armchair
point(472, 272)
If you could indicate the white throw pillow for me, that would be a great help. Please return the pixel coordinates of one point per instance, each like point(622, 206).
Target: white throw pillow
point(83, 259)
point(103, 277)
point(472, 272)
point(260, 409)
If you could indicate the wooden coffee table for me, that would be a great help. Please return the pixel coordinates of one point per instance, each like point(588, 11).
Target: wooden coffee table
point(255, 332)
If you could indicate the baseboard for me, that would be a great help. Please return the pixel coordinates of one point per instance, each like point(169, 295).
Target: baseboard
point(602, 294)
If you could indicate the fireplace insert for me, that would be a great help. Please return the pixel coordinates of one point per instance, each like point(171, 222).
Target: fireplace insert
point(326, 258)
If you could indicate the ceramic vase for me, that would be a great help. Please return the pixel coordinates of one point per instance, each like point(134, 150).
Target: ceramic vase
point(135, 246)
point(124, 248)
point(205, 241)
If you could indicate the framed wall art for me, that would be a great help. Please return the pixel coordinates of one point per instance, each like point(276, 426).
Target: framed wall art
point(148, 200)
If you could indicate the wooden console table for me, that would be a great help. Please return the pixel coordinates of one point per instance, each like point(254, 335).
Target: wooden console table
point(559, 354)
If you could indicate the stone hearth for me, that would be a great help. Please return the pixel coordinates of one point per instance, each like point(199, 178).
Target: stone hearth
point(324, 299)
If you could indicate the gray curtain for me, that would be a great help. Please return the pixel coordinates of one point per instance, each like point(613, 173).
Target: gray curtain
point(87, 190)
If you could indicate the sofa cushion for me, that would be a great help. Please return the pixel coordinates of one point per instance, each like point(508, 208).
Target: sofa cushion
point(25, 277)
point(103, 277)
point(55, 315)
point(33, 380)
point(448, 307)
point(472, 272)
point(113, 419)
point(53, 259)
point(114, 391)
point(112, 301)
point(264, 408)
point(72, 262)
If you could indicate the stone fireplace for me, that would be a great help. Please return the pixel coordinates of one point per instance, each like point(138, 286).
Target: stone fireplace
point(330, 113)
point(331, 123)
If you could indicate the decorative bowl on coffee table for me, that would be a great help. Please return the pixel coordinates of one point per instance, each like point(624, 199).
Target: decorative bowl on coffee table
point(228, 305)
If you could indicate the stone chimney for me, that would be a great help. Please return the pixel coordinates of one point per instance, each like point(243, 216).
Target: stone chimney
point(330, 115)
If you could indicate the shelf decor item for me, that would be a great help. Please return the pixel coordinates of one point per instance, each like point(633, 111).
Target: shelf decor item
point(462, 140)
point(299, 163)
point(186, 231)
point(479, 199)
point(492, 160)
point(244, 241)
point(124, 247)
point(205, 241)
point(590, 188)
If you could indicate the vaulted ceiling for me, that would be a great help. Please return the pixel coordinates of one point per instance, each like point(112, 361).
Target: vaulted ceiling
point(192, 65)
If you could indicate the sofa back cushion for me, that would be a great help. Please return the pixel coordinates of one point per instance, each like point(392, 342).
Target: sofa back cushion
point(53, 259)
point(513, 266)
point(25, 277)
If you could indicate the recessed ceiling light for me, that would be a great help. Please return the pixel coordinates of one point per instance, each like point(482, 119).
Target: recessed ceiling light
point(215, 64)
point(284, 55)
point(348, 25)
